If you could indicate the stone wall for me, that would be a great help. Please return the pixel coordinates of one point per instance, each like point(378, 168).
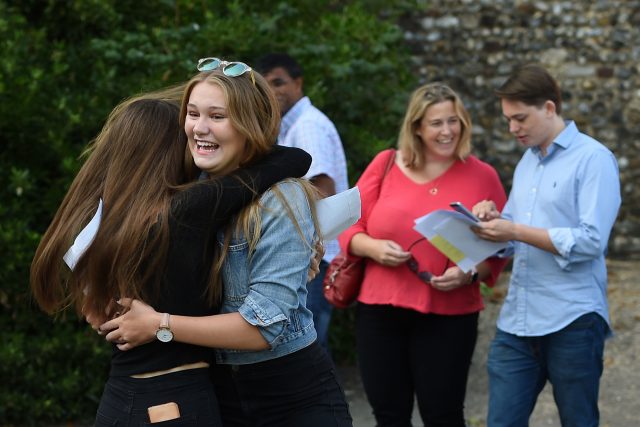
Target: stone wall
point(591, 47)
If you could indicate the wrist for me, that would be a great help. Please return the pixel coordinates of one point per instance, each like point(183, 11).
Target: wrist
point(164, 333)
point(473, 276)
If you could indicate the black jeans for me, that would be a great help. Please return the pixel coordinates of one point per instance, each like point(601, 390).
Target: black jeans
point(300, 389)
point(125, 400)
point(402, 353)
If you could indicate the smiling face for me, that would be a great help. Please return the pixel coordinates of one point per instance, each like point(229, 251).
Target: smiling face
point(216, 146)
point(439, 130)
point(531, 125)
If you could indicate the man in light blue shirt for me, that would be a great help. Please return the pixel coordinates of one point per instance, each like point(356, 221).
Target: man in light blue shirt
point(563, 203)
point(304, 126)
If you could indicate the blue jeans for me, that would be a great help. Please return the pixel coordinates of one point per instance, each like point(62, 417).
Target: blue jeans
point(571, 359)
point(319, 306)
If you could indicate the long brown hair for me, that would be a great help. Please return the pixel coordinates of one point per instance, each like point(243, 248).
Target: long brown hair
point(135, 165)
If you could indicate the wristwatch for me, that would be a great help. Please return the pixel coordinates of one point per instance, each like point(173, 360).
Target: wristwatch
point(164, 333)
point(474, 275)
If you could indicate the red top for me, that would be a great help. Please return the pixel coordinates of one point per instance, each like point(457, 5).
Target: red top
point(392, 215)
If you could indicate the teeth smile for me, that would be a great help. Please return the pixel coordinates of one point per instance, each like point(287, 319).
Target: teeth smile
point(206, 145)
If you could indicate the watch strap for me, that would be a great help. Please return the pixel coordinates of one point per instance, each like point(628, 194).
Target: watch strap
point(474, 276)
point(164, 323)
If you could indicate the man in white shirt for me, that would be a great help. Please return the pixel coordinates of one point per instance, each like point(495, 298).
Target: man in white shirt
point(306, 127)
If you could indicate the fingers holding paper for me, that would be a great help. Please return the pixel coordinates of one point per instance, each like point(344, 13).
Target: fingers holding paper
point(496, 230)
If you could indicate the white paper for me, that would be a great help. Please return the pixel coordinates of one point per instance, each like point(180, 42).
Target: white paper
point(84, 239)
point(450, 232)
point(338, 212)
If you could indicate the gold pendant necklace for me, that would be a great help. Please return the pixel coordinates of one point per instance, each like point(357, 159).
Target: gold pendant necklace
point(434, 187)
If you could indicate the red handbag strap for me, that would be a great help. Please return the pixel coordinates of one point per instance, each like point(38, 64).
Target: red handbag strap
point(390, 161)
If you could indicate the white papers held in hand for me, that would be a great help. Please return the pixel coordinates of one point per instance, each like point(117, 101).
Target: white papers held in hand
point(450, 232)
point(84, 239)
point(338, 212)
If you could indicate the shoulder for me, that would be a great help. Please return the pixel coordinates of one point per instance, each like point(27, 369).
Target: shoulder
point(472, 163)
point(378, 164)
point(381, 159)
point(288, 192)
point(312, 117)
point(591, 150)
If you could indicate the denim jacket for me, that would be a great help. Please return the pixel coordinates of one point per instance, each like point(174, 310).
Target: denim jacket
point(268, 286)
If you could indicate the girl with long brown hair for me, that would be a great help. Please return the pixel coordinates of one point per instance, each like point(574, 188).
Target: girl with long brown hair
point(156, 241)
point(269, 369)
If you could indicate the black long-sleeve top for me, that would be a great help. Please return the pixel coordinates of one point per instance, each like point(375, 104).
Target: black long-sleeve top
point(196, 215)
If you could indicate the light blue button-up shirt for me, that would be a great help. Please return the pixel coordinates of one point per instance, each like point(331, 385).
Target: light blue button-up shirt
point(574, 193)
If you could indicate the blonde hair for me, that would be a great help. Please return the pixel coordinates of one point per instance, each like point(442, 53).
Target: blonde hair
point(135, 165)
point(409, 143)
point(255, 113)
point(253, 109)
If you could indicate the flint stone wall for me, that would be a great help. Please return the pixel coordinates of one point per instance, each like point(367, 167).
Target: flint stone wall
point(591, 47)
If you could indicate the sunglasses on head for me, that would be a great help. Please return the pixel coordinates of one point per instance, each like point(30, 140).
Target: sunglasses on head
point(229, 69)
point(413, 265)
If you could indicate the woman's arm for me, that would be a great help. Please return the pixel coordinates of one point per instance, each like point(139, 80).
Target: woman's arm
point(139, 324)
point(277, 276)
point(212, 203)
point(384, 252)
point(370, 184)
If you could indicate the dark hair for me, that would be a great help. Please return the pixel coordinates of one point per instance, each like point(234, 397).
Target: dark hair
point(533, 85)
point(270, 61)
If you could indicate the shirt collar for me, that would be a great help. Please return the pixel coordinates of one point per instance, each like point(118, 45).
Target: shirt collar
point(562, 140)
point(292, 115)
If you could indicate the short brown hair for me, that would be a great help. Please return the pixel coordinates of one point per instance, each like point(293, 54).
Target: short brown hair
point(409, 144)
point(531, 84)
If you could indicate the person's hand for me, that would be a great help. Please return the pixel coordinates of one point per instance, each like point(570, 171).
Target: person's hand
point(316, 258)
point(136, 327)
point(496, 230)
point(452, 279)
point(97, 319)
point(388, 253)
point(486, 210)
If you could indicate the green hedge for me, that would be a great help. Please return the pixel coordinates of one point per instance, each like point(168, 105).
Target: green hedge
point(65, 64)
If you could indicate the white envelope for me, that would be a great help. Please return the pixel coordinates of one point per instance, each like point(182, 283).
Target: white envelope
point(84, 239)
point(338, 212)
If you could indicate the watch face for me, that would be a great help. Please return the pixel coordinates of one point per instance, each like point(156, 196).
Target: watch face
point(164, 335)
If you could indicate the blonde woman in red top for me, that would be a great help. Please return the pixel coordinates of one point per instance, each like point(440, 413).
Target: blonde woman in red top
point(417, 314)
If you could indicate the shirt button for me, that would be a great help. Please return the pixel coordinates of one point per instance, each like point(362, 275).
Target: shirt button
point(533, 190)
